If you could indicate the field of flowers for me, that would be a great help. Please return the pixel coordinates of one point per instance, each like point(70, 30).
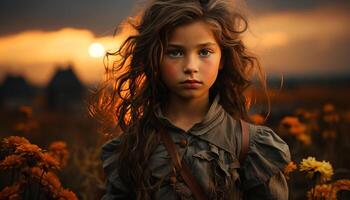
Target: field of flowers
point(318, 138)
point(49, 155)
point(55, 155)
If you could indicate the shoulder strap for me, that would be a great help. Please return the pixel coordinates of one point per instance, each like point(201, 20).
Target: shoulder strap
point(245, 141)
point(181, 166)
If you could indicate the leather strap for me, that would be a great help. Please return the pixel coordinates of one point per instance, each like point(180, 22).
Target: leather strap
point(181, 167)
point(245, 141)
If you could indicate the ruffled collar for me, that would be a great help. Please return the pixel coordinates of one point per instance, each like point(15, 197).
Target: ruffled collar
point(213, 117)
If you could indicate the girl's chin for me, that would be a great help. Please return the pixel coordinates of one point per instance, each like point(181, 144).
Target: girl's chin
point(191, 95)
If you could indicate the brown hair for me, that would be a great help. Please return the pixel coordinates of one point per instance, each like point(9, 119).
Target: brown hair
point(133, 87)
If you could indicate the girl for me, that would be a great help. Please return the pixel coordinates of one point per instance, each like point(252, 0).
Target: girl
point(182, 76)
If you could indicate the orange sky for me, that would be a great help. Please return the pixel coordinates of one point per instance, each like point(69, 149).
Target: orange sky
point(303, 42)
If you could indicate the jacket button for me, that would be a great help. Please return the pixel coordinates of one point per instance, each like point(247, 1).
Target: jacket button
point(183, 143)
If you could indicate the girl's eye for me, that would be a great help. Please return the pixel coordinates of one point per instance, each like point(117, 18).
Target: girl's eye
point(204, 52)
point(175, 53)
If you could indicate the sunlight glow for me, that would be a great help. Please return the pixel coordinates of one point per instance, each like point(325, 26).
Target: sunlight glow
point(96, 50)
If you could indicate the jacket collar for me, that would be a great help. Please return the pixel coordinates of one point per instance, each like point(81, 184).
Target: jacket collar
point(214, 116)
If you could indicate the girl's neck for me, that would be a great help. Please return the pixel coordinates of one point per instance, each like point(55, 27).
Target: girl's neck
point(184, 113)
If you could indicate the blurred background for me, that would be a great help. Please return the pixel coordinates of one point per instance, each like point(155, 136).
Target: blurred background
point(51, 55)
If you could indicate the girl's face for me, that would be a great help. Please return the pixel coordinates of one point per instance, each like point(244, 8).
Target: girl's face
point(191, 61)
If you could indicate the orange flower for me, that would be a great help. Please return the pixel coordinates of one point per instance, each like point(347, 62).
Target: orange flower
point(11, 192)
point(58, 146)
point(67, 195)
point(26, 126)
point(257, 119)
point(328, 108)
point(331, 117)
point(343, 184)
point(290, 121)
point(11, 161)
point(346, 116)
point(26, 110)
point(59, 151)
point(27, 149)
point(51, 184)
point(323, 191)
point(48, 162)
point(30, 152)
point(304, 138)
point(47, 179)
point(290, 167)
point(303, 114)
point(329, 134)
point(293, 125)
point(12, 142)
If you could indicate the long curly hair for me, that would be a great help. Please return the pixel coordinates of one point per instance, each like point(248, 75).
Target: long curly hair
point(133, 87)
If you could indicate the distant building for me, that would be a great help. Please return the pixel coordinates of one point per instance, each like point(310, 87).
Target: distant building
point(65, 91)
point(15, 91)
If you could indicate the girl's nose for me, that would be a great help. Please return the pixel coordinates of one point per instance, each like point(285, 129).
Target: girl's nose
point(191, 65)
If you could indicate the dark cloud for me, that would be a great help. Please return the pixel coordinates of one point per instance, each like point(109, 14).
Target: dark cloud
point(102, 16)
point(266, 6)
point(99, 16)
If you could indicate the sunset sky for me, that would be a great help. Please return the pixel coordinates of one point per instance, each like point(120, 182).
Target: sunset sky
point(292, 38)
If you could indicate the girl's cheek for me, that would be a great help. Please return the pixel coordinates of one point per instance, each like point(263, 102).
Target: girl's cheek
point(169, 69)
point(212, 62)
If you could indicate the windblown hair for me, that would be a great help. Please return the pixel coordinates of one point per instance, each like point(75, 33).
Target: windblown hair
point(133, 86)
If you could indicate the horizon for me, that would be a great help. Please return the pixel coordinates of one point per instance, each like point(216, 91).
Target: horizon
point(271, 79)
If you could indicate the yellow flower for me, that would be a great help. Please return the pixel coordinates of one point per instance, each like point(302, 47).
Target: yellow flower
point(312, 166)
point(11, 161)
point(290, 167)
point(323, 191)
point(11, 192)
point(257, 119)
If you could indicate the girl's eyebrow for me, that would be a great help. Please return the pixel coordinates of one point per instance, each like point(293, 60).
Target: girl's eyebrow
point(199, 45)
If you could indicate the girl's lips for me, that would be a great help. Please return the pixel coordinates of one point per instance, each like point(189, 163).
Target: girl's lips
point(191, 81)
point(191, 84)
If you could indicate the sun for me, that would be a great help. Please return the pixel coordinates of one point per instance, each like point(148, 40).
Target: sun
point(96, 50)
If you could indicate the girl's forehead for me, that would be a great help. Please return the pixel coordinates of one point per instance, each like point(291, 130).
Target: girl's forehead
point(192, 32)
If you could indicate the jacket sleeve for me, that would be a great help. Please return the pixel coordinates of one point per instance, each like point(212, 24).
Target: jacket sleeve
point(263, 168)
point(115, 189)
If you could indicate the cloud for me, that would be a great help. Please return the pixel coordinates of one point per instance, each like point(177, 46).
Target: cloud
point(35, 54)
point(302, 42)
point(291, 43)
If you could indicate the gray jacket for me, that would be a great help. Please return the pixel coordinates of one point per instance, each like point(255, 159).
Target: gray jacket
point(211, 149)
